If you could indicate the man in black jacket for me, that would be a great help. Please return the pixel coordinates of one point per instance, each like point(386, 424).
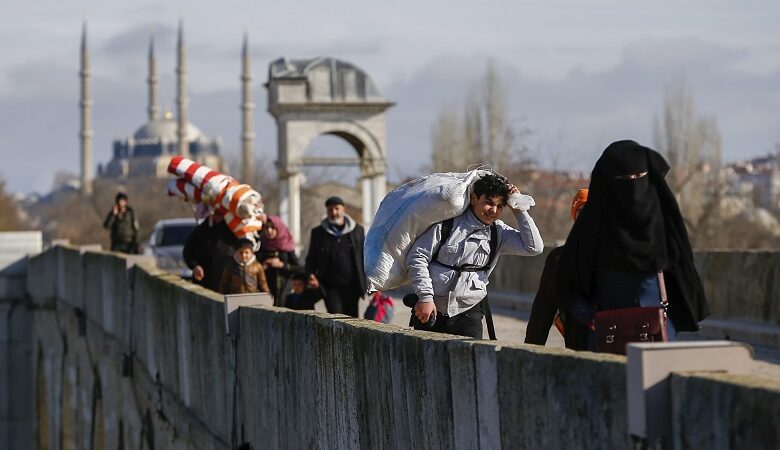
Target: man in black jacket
point(208, 249)
point(336, 258)
point(123, 224)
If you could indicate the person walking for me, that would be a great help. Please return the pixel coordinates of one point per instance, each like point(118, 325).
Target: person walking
point(336, 258)
point(123, 224)
point(208, 249)
point(450, 276)
point(277, 255)
point(243, 274)
point(546, 304)
point(629, 246)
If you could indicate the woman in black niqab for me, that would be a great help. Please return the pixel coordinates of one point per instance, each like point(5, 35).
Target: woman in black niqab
point(630, 229)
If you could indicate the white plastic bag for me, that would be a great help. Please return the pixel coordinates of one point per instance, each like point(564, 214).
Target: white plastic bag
point(405, 214)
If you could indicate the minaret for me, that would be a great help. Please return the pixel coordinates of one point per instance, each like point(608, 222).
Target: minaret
point(181, 94)
point(247, 135)
point(153, 108)
point(85, 104)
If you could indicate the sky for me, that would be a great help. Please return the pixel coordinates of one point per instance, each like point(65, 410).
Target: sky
point(579, 75)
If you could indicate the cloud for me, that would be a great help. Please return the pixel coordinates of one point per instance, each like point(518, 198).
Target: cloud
point(135, 41)
point(579, 114)
point(573, 118)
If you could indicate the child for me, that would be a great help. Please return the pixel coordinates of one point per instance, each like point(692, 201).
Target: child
point(243, 274)
point(306, 291)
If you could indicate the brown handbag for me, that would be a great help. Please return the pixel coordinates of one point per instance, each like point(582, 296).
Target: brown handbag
point(617, 327)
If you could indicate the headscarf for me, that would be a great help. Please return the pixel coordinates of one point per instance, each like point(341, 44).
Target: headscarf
point(580, 198)
point(633, 225)
point(283, 242)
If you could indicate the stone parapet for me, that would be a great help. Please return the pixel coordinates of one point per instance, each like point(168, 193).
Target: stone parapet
point(154, 368)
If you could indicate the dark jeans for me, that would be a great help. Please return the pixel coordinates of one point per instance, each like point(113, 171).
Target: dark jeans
point(467, 323)
point(342, 299)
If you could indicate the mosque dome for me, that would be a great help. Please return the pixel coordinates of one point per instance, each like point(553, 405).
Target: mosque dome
point(164, 129)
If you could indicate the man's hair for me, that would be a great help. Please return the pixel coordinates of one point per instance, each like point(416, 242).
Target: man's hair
point(120, 196)
point(492, 185)
point(300, 276)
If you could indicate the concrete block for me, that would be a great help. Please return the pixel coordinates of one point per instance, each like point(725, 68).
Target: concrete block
point(5, 434)
point(41, 276)
point(551, 398)
point(463, 385)
point(717, 411)
point(488, 415)
point(21, 396)
point(5, 384)
point(21, 435)
point(20, 323)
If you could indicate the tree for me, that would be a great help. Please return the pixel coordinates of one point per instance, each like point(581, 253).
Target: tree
point(9, 219)
point(692, 146)
point(483, 135)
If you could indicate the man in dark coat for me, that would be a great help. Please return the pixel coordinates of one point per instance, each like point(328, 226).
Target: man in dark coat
point(208, 249)
point(123, 224)
point(336, 259)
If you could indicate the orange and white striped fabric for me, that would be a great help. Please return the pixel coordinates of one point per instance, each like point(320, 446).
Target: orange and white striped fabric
point(239, 202)
point(242, 227)
point(184, 190)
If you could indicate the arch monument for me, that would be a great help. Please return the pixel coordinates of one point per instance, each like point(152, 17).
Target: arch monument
point(326, 96)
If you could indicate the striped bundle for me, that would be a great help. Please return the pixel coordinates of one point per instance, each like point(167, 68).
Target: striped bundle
point(240, 204)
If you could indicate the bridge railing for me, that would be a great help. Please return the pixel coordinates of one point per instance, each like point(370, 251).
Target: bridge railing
point(138, 356)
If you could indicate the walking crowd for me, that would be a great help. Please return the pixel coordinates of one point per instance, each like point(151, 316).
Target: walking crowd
point(624, 274)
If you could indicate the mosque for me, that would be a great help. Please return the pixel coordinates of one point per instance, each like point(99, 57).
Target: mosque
point(149, 149)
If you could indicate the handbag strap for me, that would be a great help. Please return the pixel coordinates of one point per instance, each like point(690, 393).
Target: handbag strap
point(662, 289)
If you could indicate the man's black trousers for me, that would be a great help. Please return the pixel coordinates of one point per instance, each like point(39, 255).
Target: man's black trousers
point(342, 299)
point(467, 323)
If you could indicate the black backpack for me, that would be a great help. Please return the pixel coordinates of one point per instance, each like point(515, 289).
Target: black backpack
point(446, 230)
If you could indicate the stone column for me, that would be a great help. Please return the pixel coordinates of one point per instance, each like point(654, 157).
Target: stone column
point(290, 201)
point(368, 201)
point(379, 190)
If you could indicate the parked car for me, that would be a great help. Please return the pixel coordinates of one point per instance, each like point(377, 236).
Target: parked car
point(166, 244)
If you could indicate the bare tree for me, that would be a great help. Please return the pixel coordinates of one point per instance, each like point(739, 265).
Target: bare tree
point(484, 135)
point(692, 146)
point(499, 136)
point(10, 220)
point(446, 135)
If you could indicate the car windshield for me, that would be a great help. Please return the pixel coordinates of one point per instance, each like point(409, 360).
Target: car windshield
point(174, 234)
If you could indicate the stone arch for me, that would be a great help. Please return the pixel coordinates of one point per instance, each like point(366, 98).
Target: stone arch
point(326, 96)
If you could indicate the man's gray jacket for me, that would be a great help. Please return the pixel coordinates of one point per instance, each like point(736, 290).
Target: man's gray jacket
point(468, 243)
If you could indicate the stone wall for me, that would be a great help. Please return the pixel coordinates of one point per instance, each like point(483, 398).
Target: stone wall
point(16, 346)
point(738, 284)
point(134, 358)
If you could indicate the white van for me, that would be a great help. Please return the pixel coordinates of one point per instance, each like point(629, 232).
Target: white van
point(166, 244)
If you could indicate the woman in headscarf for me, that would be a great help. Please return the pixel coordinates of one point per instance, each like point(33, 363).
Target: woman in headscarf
point(546, 303)
point(630, 230)
point(277, 254)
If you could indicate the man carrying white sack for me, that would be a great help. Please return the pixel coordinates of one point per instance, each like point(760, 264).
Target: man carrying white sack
point(450, 278)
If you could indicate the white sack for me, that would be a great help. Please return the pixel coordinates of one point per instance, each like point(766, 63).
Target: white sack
point(405, 214)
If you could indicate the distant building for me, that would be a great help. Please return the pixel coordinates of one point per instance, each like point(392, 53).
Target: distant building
point(758, 178)
point(149, 150)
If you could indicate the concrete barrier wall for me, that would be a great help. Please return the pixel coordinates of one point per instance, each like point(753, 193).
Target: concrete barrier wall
point(738, 284)
point(313, 380)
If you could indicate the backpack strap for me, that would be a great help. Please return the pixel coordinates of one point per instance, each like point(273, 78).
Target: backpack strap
point(446, 230)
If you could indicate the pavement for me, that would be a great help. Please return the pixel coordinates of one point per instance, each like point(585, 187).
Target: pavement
point(511, 312)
